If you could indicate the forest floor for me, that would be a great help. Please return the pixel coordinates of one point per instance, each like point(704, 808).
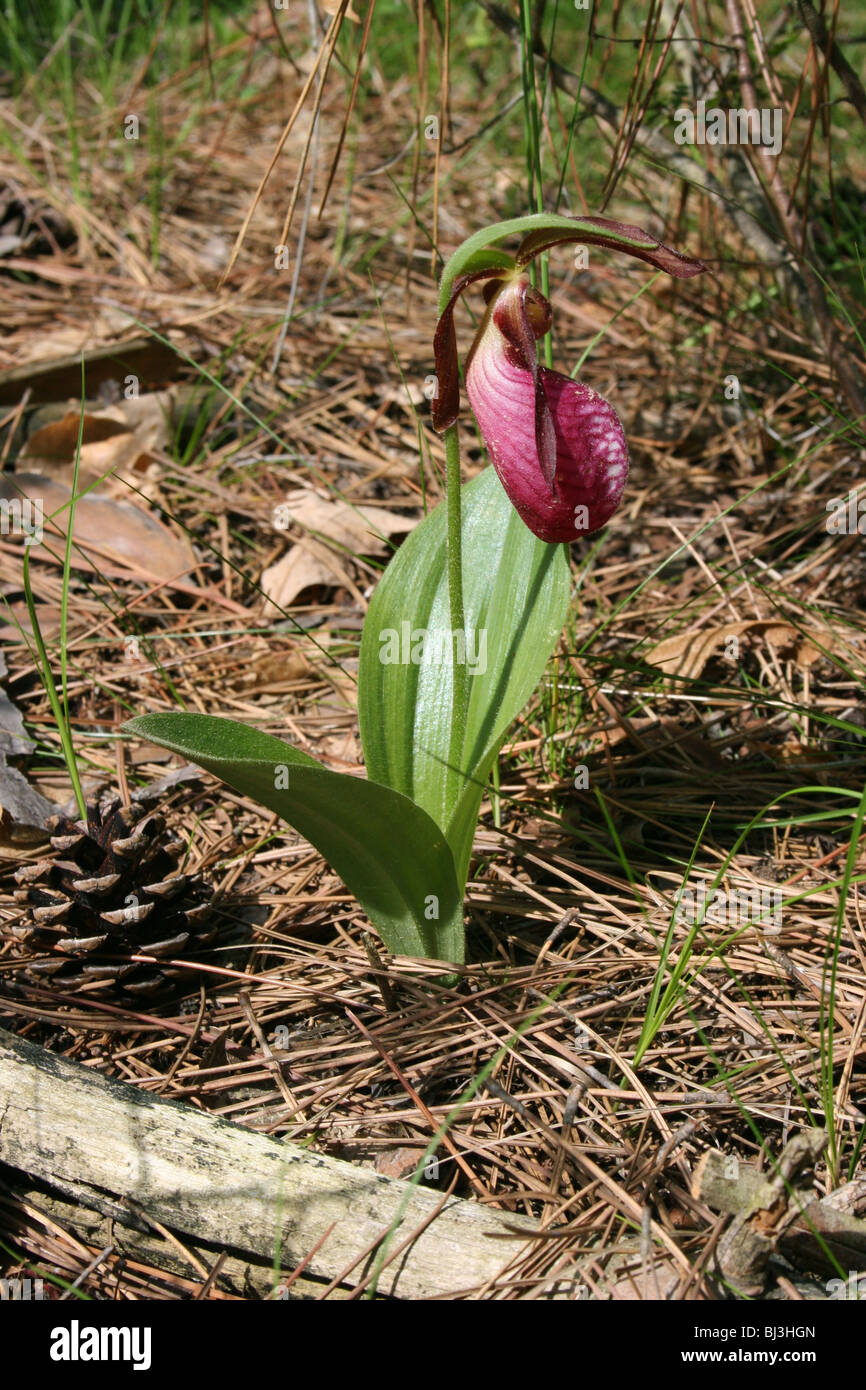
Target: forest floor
point(701, 725)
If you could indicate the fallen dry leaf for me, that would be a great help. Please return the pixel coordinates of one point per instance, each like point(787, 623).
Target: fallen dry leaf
point(400, 1162)
point(305, 566)
point(341, 752)
point(331, 7)
point(356, 527)
point(117, 445)
point(23, 812)
point(14, 738)
point(149, 415)
point(104, 528)
point(55, 443)
point(311, 562)
point(271, 670)
point(653, 1282)
point(687, 653)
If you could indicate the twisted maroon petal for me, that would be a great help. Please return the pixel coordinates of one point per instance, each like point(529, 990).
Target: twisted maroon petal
point(557, 446)
point(446, 402)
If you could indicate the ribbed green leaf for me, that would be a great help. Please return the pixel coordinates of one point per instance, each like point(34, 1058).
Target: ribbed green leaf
point(387, 851)
point(516, 591)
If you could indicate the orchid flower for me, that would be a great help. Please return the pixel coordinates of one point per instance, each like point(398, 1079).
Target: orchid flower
point(401, 838)
point(557, 446)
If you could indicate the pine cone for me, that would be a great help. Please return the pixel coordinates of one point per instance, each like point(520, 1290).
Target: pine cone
point(112, 890)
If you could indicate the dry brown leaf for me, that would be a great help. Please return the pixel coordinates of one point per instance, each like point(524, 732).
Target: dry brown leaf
point(149, 412)
point(331, 7)
point(23, 811)
point(14, 738)
point(359, 528)
point(646, 1282)
point(55, 443)
point(116, 447)
point(311, 562)
point(120, 532)
point(687, 654)
point(17, 613)
point(400, 1162)
point(341, 752)
point(272, 670)
point(308, 564)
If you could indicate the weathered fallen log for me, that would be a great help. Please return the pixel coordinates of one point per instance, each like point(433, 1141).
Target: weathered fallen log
point(129, 1154)
point(25, 1205)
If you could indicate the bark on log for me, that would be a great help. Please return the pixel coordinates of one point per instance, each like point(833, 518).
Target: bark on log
point(773, 1212)
point(23, 1206)
point(121, 1151)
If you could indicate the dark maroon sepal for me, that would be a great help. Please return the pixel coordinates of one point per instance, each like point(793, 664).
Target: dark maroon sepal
point(608, 233)
point(446, 403)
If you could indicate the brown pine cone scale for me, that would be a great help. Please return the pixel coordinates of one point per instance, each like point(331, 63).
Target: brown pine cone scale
point(113, 889)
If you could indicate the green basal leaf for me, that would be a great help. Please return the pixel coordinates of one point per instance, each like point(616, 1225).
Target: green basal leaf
point(387, 851)
point(516, 593)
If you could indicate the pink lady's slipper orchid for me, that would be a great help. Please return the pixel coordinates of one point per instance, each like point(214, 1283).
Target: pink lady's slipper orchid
point(557, 446)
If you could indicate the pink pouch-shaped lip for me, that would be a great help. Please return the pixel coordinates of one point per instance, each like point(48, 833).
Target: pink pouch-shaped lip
point(557, 446)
